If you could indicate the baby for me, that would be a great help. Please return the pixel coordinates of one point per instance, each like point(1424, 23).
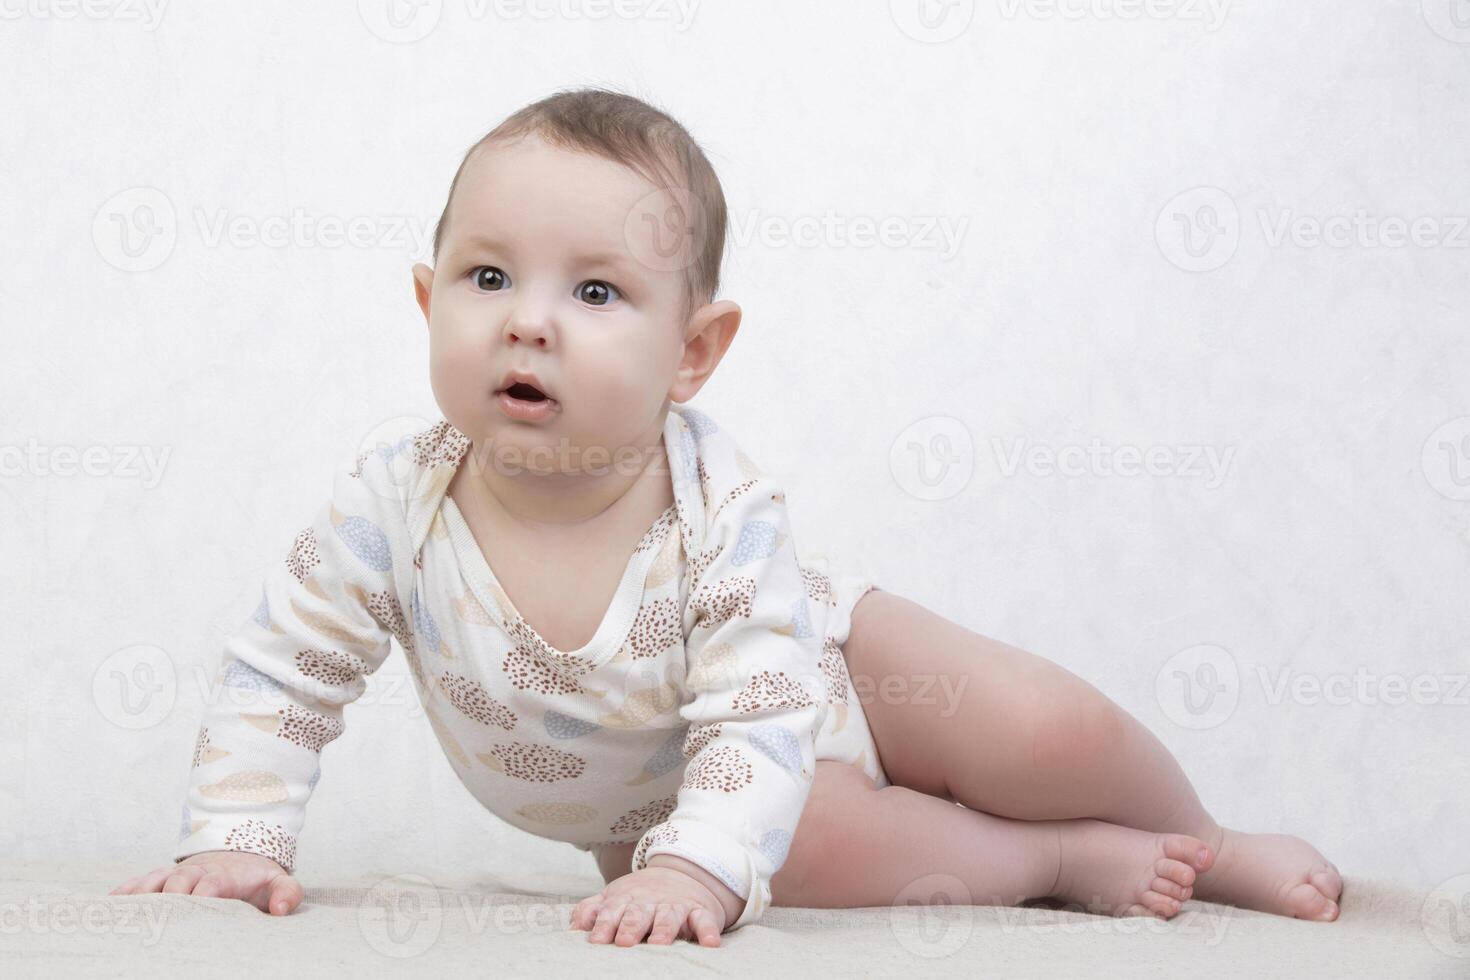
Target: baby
point(614, 640)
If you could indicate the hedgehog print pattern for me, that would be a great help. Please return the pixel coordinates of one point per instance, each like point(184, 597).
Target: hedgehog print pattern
point(307, 728)
point(470, 697)
point(258, 837)
point(656, 628)
point(698, 736)
point(330, 666)
point(239, 674)
point(758, 539)
point(528, 670)
point(440, 445)
point(384, 607)
point(779, 745)
point(303, 556)
point(771, 690)
point(654, 536)
point(365, 540)
point(723, 600)
point(735, 495)
point(533, 763)
point(723, 767)
point(834, 671)
point(559, 725)
point(645, 816)
point(819, 586)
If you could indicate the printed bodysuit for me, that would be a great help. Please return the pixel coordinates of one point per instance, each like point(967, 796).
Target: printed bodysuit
point(690, 723)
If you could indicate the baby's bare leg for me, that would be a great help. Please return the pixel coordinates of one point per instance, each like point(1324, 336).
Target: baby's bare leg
point(961, 716)
point(859, 846)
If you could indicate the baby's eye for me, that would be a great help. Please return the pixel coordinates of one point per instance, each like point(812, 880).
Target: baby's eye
point(595, 292)
point(489, 278)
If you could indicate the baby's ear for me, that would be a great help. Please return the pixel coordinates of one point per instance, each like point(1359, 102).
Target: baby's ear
point(423, 285)
point(709, 334)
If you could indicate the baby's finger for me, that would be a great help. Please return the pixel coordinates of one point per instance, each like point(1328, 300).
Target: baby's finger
point(608, 918)
point(216, 884)
point(153, 880)
point(667, 923)
point(182, 881)
point(585, 911)
point(702, 921)
point(126, 888)
point(286, 894)
point(636, 920)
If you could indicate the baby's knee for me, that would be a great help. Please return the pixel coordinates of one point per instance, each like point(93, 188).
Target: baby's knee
point(1076, 729)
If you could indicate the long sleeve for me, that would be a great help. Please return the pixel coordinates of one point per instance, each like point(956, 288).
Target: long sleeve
point(328, 608)
point(756, 699)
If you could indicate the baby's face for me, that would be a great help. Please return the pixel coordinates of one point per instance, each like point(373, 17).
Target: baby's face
point(537, 272)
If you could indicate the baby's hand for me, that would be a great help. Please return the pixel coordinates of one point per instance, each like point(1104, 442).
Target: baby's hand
point(671, 902)
point(249, 877)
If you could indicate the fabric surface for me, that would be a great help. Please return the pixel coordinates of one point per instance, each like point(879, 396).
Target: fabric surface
point(60, 921)
point(690, 723)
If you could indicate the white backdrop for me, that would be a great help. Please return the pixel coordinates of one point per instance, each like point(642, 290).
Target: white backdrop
point(1136, 341)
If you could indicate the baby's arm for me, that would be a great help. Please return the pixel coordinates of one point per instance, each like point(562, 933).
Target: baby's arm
point(757, 700)
point(323, 623)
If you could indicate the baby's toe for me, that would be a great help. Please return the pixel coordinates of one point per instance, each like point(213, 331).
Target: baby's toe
point(1328, 882)
point(1190, 850)
point(1173, 889)
point(1163, 906)
point(1306, 902)
point(1176, 871)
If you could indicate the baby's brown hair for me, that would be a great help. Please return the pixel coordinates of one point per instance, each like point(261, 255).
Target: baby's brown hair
point(631, 132)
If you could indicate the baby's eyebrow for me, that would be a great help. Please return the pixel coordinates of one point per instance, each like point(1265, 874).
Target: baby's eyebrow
point(615, 260)
point(611, 258)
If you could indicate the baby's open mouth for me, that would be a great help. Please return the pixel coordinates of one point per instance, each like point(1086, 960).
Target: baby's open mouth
point(524, 392)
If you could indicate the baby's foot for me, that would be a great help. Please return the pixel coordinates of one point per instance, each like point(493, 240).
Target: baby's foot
point(1274, 873)
point(1113, 870)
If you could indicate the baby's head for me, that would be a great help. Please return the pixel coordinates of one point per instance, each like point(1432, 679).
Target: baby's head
point(581, 243)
